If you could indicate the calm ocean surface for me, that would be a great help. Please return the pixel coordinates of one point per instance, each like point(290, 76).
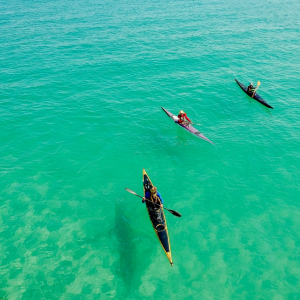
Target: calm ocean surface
point(81, 86)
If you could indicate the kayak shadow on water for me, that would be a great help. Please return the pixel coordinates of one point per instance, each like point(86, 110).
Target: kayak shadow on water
point(253, 103)
point(124, 246)
point(182, 137)
point(268, 110)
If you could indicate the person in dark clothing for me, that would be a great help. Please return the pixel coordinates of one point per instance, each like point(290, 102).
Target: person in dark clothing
point(251, 89)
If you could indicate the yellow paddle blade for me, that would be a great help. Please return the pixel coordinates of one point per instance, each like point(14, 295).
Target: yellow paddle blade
point(258, 83)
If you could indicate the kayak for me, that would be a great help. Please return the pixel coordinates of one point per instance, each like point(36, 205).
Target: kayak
point(187, 127)
point(256, 96)
point(158, 220)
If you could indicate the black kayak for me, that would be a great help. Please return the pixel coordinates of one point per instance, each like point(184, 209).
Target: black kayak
point(256, 96)
point(158, 219)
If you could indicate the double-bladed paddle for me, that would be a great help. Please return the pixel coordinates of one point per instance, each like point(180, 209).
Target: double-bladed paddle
point(189, 123)
point(173, 212)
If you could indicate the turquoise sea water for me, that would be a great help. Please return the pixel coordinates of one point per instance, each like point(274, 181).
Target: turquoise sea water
point(82, 83)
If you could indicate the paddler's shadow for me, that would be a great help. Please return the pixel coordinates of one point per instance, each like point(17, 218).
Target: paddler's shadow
point(126, 248)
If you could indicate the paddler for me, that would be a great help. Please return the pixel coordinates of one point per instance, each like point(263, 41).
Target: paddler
point(154, 196)
point(251, 89)
point(183, 118)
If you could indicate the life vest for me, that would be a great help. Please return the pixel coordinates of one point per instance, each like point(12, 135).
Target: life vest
point(154, 198)
point(182, 118)
point(250, 89)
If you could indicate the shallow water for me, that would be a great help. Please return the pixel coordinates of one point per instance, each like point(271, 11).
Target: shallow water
point(81, 89)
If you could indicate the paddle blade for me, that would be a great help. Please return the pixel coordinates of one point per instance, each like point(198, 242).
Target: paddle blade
point(130, 191)
point(258, 83)
point(175, 213)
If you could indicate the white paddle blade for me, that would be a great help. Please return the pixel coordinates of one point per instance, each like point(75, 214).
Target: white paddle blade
point(130, 191)
point(175, 118)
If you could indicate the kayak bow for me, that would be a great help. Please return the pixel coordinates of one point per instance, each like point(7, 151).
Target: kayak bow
point(256, 96)
point(158, 220)
point(188, 127)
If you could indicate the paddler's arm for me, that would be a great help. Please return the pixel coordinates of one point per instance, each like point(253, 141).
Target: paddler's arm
point(188, 119)
point(254, 90)
point(161, 199)
point(147, 196)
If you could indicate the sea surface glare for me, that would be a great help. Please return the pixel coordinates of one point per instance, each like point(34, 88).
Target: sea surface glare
point(81, 89)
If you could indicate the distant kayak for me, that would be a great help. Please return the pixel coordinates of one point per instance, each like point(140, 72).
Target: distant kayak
point(188, 127)
point(256, 96)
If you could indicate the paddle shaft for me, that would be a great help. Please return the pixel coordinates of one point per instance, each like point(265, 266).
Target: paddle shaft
point(257, 86)
point(175, 118)
point(188, 123)
point(150, 201)
point(173, 212)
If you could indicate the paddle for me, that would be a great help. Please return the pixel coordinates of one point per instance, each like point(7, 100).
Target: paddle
point(175, 118)
point(173, 212)
point(188, 123)
point(257, 86)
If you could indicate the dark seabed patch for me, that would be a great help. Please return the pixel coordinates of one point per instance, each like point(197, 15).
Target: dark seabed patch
point(124, 246)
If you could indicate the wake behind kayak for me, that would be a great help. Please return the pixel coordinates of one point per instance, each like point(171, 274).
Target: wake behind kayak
point(188, 127)
point(256, 96)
